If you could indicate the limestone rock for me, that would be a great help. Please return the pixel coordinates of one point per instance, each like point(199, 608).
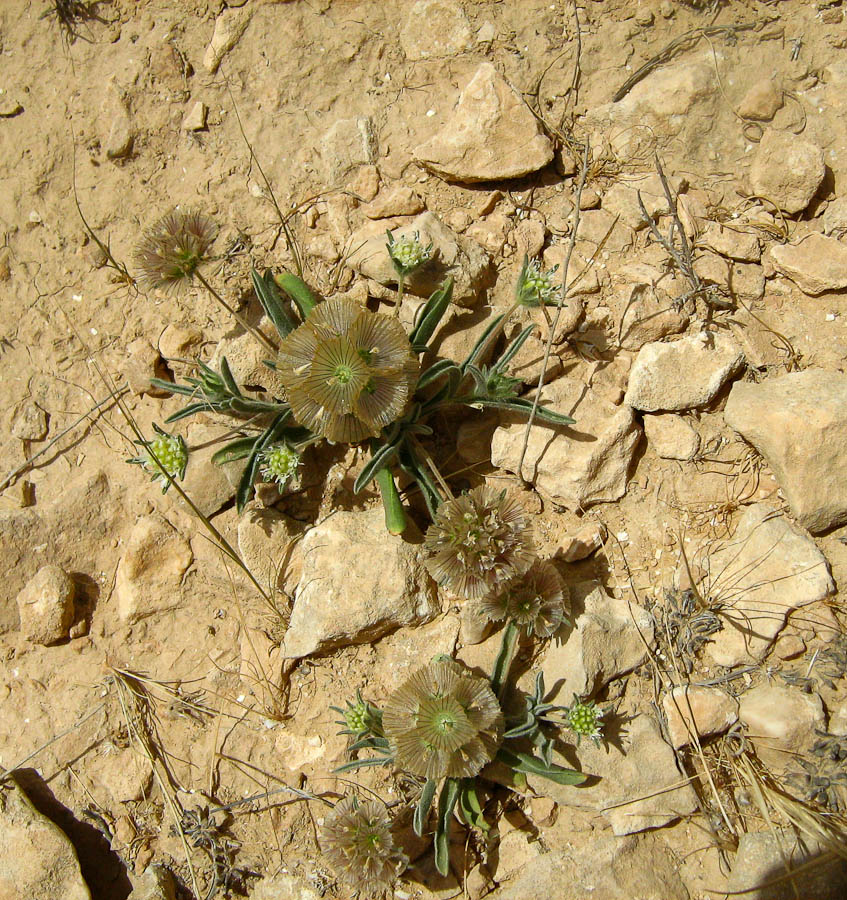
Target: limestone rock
point(358, 584)
point(490, 135)
point(732, 243)
point(433, 29)
point(769, 568)
point(143, 363)
point(267, 545)
point(578, 464)
point(762, 101)
point(816, 264)
point(798, 422)
point(37, 861)
point(156, 883)
point(671, 436)
point(683, 374)
point(29, 422)
point(283, 887)
point(621, 199)
point(230, 25)
point(648, 311)
point(195, 118)
point(347, 144)
point(838, 720)
point(125, 774)
point(640, 783)
point(246, 360)
point(781, 721)
point(529, 238)
point(607, 640)
point(210, 486)
point(452, 255)
point(586, 541)
point(398, 200)
point(787, 169)
point(700, 709)
point(150, 571)
point(834, 219)
point(119, 138)
point(46, 606)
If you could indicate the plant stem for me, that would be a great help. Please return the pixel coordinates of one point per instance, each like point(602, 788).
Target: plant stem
point(265, 341)
point(401, 287)
point(503, 663)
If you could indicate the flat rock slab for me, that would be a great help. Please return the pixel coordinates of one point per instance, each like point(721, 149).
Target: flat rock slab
point(816, 264)
point(682, 374)
point(698, 710)
point(769, 568)
point(490, 135)
point(798, 422)
point(787, 169)
point(575, 465)
point(358, 584)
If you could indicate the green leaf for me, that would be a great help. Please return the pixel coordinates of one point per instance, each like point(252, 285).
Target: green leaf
point(532, 765)
point(234, 451)
point(269, 296)
point(228, 380)
point(298, 290)
point(436, 370)
point(186, 411)
point(244, 491)
point(364, 764)
point(376, 463)
point(424, 804)
point(469, 806)
point(410, 464)
point(512, 349)
point(431, 314)
point(371, 742)
point(395, 517)
point(504, 658)
point(522, 406)
point(481, 344)
point(446, 803)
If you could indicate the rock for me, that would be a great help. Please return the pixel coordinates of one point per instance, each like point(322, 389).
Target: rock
point(575, 465)
point(529, 238)
point(789, 646)
point(607, 640)
point(178, 342)
point(195, 119)
point(283, 887)
point(9, 105)
point(761, 859)
point(364, 183)
point(230, 25)
point(5, 263)
point(358, 584)
point(598, 226)
point(46, 606)
point(143, 363)
point(150, 571)
point(453, 255)
point(747, 282)
point(210, 486)
point(703, 710)
point(491, 233)
point(798, 422)
point(762, 101)
point(838, 720)
point(603, 868)
point(816, 264)
point(648, 311)
point(119, 138)
point(683, 374)
point(586, 541)
point(581, 280)
point(435, 29)
point(473, 437)
point(490, 135)
point(395, 201)
point(834, 219)
point(37, 860)
point(787, 169)
point(126, 774)
point(781, 721)
point(29, 422)
point(268, 547)
point(640, 785)
point(156, 883)
point(246, 359)
point(621, 199)
point(348, 143)
point(732, 243)
point(671, 436)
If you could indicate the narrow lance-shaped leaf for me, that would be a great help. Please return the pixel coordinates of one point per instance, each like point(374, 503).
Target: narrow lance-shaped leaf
point(510, 351)
point(395, 517)
point(482, 343)
point(298, 290)
point(436, 370)
point(268, 294)
point(522, 406)
point(376, 463)
point(424, 804)
point(446, 803)
point(431, 314)
point(244, 490)
point(531, 765)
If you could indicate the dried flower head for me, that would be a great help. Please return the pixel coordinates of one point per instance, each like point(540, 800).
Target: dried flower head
point(534, 600)
point(535, 286)
point(443, 722)
point(357, 842)
point(174, 248)
point(279, 462)
point(408, 253)
point(584, 720)
point(478, 542)
point(171, 453)
point(348, 372)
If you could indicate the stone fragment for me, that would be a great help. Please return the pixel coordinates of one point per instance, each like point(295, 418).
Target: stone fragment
point(46, 606)
point(834, 218)
point(156, 883)
point(698, 709)
point(364, 183)
point(762, 101)
point(358, 584)
point(683, 374)
point(29, 422)
point(798, 422)
point(582, 280)
point(621, 199)
point(268, 547)
point(529, 238)
point(761, 859)
point(490, 135)
point(491, 232)
point(37, 860)
point(142, 364)
point(648, 311)
point(640, 786)
point(732, 243)
point(246, 360)
point(283, 887)
point(195, 118)
point(9, 105)
point(609, 639)
point(575, 465)
point(781, 721)
point(671, 436)
point(398, 200)
point(180, 342)
point(769, 568)
point(589, 539)
point(815, 264)
point(119, 138)
point(452, 255)
point(150, 571)
point(348, 143)
point(838, 719)
point(230, 25)
point(598, 227)
point(787, 170)
point(435, 29)
point(125, 774)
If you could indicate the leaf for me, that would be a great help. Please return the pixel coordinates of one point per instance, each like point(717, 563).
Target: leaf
point(446, 803)
point(431, 314)
point(228, 380)
point(482, 342)
point(186, 411)
point(470, 807)
point(369, 743)
point(395, 517)
point(364, 764)
point(298, 290)
point(268, 294)
point(512, 349)
point(377, 462)
point(532, 765)
point(436, 370)
point(504, 657)
point(520, 405)
point(234, 451)
point(424, 804)
point(244, 491)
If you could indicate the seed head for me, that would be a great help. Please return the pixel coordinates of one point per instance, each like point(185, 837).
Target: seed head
point(478, 542)
point(171, 453)
point(174, 248)
point(279, 463)
point(584, 720)
point(534, 600)
point(358, 718)
point(348, 372)
point(535, 286)
point(443, 722)
point(357, 842)
point(408, 253)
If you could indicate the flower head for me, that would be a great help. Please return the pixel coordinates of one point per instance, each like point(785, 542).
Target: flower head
point(407, 253)
point(358, 718)
point(279, 462)
point(534, 600)
point(443, 722)
point(535, 286)
point(174, 248)
point(357, 842)
point(348, 372)
point(584, 720)
point(165, 451)
point(479, 541)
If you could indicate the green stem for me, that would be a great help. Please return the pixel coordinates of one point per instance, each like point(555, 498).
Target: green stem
point(401, 287)
point(503, 662)
point(266, 342)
